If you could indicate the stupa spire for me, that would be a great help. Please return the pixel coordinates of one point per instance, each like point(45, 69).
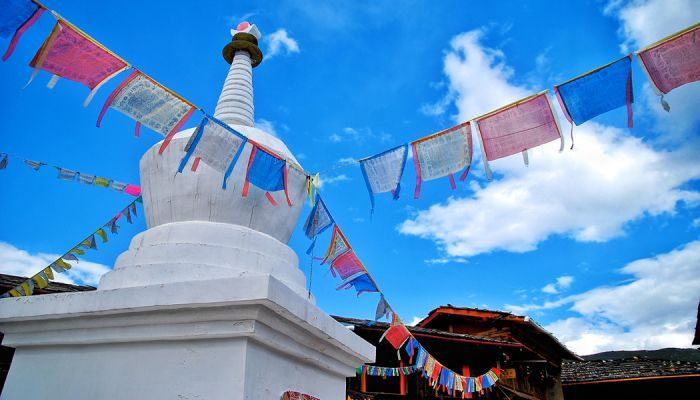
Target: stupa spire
point(235, 105)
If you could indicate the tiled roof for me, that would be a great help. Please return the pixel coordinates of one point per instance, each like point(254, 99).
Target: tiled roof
point(370, 324)
point(9, 281)
point(630, 368)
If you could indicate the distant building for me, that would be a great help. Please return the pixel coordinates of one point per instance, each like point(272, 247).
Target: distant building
point(8, 282)
point(469, 341)
point(634, 377)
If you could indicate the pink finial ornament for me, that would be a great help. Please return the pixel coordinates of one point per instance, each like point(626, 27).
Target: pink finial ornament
point(243, 26)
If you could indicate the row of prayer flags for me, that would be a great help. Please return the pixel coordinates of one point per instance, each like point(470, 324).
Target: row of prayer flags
point(344, 263)
point(71, 54)
point(61, 264)
point(531, 122)
point(220, 146)
point(69, 175)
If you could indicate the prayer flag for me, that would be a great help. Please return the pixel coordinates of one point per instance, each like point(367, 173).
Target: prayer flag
point(70, 54)
point(151, 104)
point(66, 174)
point(319, 219)
point(45, 276)
point(443, 154)
point(86, 179)
point(78, 250)
point(267, 171)
point(596, 92)
point(127, 213)
point(89, 243)
point(518, 127)
point(215, 143)
point(70, 256)
point(113, 227)
point(397, 334)
point(104, 182)
point(133, 209)
point(118, 186)
point(28, 287)
point(383, 308)
point(133, 190)
point(383, 172)
point(102, 234)
point(35, 165)
point(3, 161)
point(338, 246)
point(48, 272)
point(672, 62)
point(346, 265)
point(361, 282)
point(40, 281)
point(16, 17)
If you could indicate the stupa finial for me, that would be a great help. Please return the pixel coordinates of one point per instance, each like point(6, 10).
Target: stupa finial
point(235, 104)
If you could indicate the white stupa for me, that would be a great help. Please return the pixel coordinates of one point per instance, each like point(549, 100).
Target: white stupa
point(207, 303)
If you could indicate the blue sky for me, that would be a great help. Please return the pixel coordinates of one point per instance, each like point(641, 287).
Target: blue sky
point(599, 244)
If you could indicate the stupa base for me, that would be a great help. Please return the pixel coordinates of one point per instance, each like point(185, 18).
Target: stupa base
point(241, 338)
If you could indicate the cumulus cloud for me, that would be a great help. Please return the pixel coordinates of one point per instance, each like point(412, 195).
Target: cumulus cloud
point(562, 283)
point(329, 180)
point(267, 126)
point(279, 42)
point(588, 194)
point(654, 308)
point(19, 262)
point(358, 135)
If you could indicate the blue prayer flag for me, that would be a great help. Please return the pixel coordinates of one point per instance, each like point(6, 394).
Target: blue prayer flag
point(361, 282)
point(597, 92)
point(14, 14)
point(318, 220)
point(266, 171)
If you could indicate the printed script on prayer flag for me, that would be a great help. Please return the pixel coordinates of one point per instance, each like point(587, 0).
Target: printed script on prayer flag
point(444, 153)
point(518, 127)
point(217, 145)
point(675, 62)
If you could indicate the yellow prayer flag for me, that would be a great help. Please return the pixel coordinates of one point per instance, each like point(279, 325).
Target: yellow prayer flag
point(49, 272)
point(14, 293)
point(63, 264)
point(26, 288)
point(77, 250)
point(40, 281)
point(102, 234)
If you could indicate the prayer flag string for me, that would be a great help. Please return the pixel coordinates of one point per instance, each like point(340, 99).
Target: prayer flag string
point(42, 278)
point(70, 175)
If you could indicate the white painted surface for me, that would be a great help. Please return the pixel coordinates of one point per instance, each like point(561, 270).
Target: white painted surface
point(243, 338)
point(235, 104)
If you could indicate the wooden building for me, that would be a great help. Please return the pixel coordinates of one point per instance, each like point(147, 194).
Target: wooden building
point(631, 378)
point(469, 341)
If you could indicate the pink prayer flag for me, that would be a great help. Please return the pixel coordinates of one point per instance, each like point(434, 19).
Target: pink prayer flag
point(517, 128)
point(347, 265)
point(673, 62)
point(69, 54)
point(133, 190)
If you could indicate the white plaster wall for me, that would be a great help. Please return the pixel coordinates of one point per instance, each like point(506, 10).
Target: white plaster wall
point(169, 196)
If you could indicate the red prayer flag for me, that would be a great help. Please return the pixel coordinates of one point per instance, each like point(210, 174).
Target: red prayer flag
point(518, 127)
point(69, 54)
point(672, 62)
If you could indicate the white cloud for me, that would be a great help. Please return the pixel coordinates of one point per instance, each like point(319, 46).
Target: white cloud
point(279, 42)
point(643, 22)
point(588, 194)
point(358, 135)
point(18, 262)
point(332, 179)
point(654, 309)
point(415, 321)
point(266, 126)
point(562, 283)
